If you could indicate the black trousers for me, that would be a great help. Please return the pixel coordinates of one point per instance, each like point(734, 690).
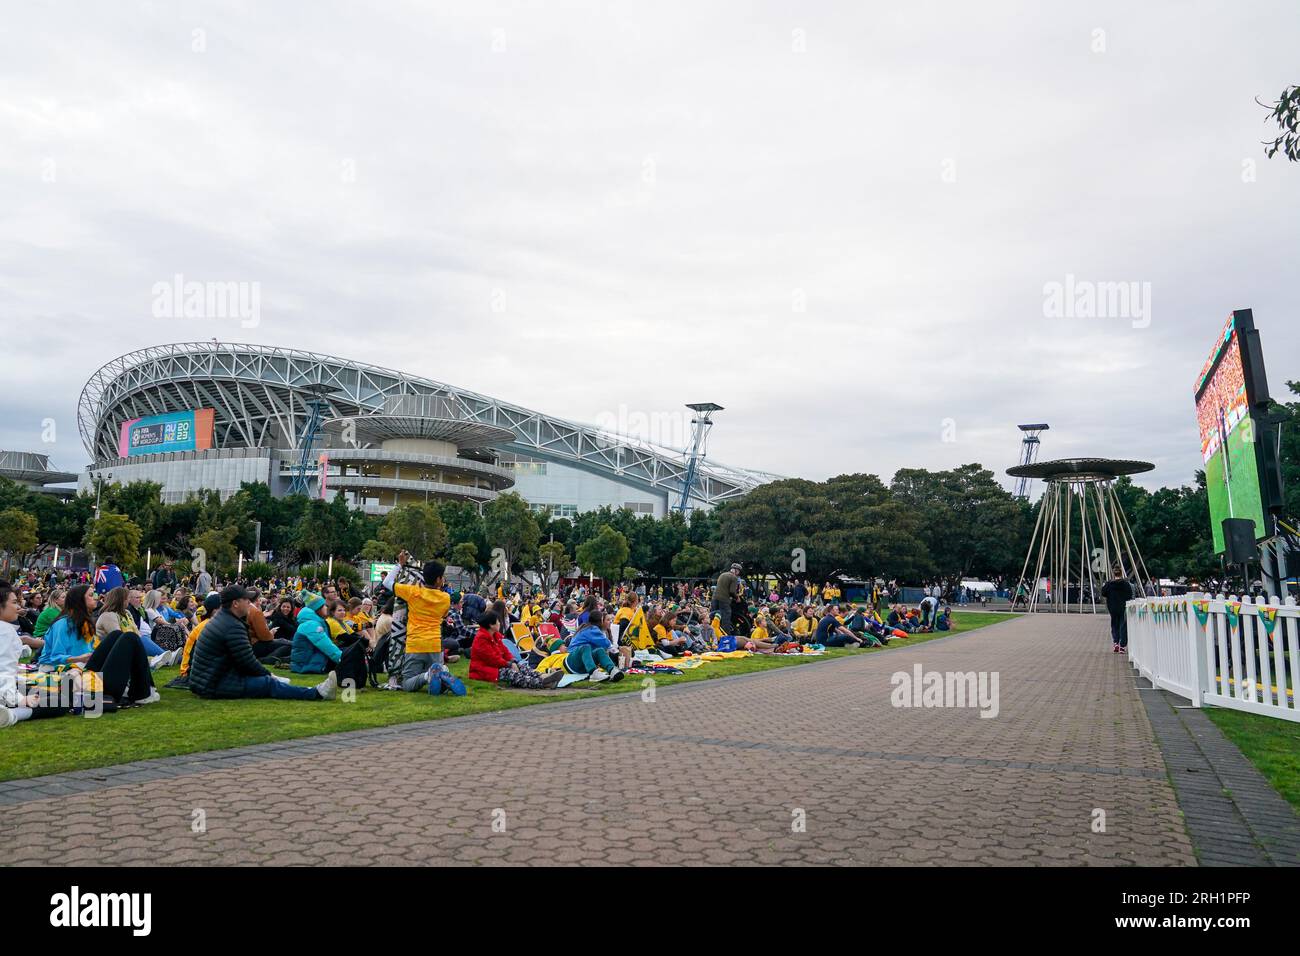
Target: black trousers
point(275, 649)
point(122, 662)
point(1119, 629)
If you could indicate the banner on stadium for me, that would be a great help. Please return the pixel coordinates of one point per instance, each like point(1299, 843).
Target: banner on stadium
point(174, 431)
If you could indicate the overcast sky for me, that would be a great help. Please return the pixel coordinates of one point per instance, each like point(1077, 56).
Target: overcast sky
point(835, 219)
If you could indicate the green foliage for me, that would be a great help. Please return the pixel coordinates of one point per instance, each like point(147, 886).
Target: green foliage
point(114, 535)
point(606, 554)
point(509, 524)
point(692, 561)
point(417, 528)
point(321, 572)
point(253, 570)
point(17, 533)
point(1286, 113)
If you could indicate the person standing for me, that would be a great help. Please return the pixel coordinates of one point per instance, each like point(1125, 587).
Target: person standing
point(1118, 592)
point(726, 591)
point(203, 584)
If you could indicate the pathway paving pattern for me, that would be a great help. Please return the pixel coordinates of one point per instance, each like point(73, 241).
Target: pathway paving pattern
point(801, 765)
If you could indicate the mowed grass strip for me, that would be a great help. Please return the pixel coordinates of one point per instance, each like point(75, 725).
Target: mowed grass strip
point(183, 724)
point(1272, 745)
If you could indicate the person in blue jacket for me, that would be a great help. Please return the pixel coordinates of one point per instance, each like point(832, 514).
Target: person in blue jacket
point(313, 651)
point(589, 649)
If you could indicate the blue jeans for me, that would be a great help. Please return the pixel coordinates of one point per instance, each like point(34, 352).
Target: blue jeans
point(270, 687)
point(584, 658)
point(150, 648)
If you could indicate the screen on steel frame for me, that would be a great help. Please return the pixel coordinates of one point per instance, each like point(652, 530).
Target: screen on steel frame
point(1224, 402)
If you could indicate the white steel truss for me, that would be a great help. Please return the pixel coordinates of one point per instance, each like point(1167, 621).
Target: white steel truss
point(259, 394)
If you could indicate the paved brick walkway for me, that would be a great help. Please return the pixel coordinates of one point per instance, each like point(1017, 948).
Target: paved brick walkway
point(710, 772)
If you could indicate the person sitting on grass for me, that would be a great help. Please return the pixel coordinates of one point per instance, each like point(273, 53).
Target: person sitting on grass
point(491, 661)
point(666, 641)
point(15, 705)
point(266, 646)
point(211, 605)
point(119, 658)
point(758, 642)
point(314, 650)
point(427, 603)
point(898, 619)
point(589, 651)
point(223, 666)
point(831, 633)
point(944, 621)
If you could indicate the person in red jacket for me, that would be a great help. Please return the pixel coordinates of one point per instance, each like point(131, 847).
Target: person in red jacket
point(490, 660)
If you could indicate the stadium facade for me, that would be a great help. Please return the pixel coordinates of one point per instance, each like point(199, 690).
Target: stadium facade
point(212, 415)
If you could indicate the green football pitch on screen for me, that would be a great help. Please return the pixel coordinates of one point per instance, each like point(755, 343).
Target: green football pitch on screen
point(1238, 498)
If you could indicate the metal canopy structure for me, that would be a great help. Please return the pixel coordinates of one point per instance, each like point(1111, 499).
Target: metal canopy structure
point(1081, 534)
point(261, 398)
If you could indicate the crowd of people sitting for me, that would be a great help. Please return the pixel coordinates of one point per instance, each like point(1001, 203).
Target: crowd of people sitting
point(70, 644)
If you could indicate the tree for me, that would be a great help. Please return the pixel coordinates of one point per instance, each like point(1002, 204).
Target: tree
point(416, 528)
point(17, 534)
point(509, 525)
point(1286, 113)
point(553, 562)
point(313, 532)
point(606, 554)
point(114, 535)
point(692, 561)
point(214, 550)
point(465, 557)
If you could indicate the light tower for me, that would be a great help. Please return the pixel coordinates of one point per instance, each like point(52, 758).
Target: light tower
point(1028, 455)
point(700, 426)
point(310, 432)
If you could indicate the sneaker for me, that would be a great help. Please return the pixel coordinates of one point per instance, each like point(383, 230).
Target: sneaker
point(616, 675)
point(161, 660)
point(7, 717)
point(1114, 648)
point(551, 678)
point(328, 687)
point(153, 697)
point(598, 675)
point(393, 684)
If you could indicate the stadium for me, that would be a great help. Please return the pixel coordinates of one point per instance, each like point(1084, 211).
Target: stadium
point(213, 415)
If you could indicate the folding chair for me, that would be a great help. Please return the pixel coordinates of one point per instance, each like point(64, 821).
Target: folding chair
point(523, 636)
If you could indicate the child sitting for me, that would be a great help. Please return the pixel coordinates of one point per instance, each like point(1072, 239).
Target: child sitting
point(589, 651)
point(490, 660)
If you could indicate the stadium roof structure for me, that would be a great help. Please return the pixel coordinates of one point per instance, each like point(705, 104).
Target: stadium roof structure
point(260, 395)
point(29, 467)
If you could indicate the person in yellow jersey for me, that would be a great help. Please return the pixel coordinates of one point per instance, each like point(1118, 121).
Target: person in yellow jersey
point(759, 641)
point(427, 603)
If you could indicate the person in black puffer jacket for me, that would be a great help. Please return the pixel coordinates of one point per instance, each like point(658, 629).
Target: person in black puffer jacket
point(223, 665)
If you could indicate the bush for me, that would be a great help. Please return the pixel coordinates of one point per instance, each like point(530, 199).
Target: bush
point(259, 569)
point(321, 571)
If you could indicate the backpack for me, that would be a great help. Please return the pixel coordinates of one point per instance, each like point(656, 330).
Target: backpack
point(354, 665)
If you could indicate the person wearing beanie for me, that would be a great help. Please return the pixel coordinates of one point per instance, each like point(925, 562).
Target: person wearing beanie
point(314, 652)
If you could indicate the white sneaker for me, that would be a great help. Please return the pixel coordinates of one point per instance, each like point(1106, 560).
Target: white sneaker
point(598, 675)
point(162, 660)
point(176, 656)
point(328, 687)
point(7, 717)
point(153, 697)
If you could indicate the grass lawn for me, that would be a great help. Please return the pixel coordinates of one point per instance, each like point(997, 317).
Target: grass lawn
point(1271, 744)
point(182, 723)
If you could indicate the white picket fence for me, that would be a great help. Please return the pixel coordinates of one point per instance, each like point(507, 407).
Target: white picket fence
point(1220, 651)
